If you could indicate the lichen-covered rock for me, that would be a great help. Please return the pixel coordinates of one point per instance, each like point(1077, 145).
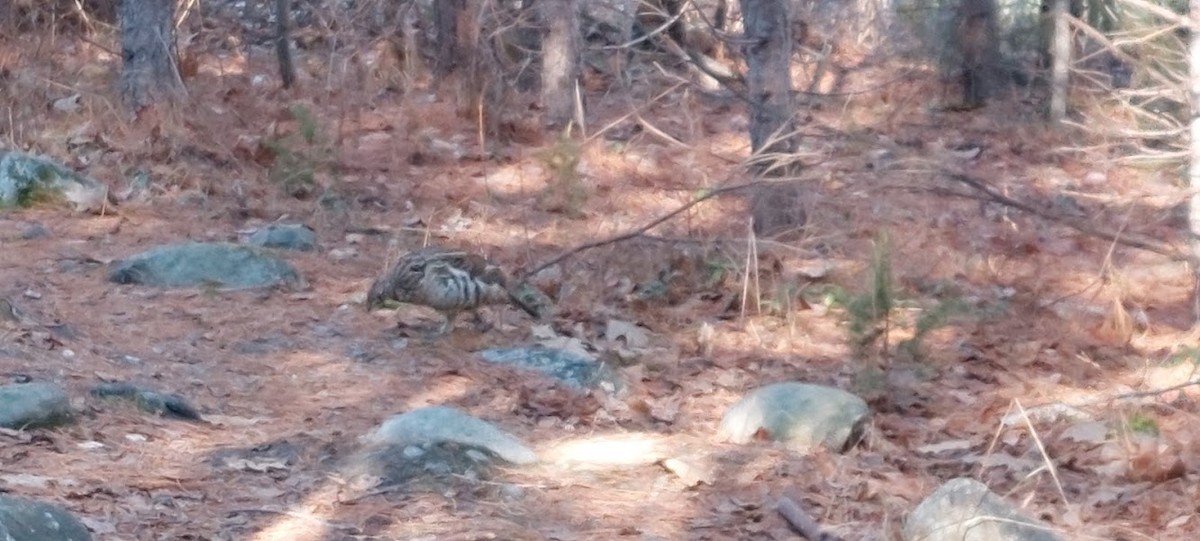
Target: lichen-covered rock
point(27, 180)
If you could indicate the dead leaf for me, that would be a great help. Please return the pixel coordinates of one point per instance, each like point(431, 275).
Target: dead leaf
point(69, 104)
point(570, 345)
point(634, 336)
point(945, 446)
point(1180, 521)
point(665, 410)
point(1095, 432)
point(691, 474)
point(1155, 460)
point(261, 465)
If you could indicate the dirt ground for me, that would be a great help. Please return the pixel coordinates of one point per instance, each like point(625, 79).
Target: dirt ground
point(288, 379)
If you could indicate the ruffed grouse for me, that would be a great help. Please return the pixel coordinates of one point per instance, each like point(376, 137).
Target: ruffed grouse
point(449, 281)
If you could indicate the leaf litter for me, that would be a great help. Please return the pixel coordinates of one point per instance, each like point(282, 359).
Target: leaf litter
point(1124, 466)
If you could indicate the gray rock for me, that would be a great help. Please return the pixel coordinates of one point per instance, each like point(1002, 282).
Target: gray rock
point(571, 368)
point(28, 520)
point(801, 415)
point(965, 510)
point(285, 236)
point(34, 405)
point(438, 424)
point(204, 264)
point(34, 231)
point(26, 180)
point(148, 400)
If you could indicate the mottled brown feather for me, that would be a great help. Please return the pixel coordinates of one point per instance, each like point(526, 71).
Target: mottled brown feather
point(449, 281)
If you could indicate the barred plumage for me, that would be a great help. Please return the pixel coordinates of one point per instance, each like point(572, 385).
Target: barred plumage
point(449, 281)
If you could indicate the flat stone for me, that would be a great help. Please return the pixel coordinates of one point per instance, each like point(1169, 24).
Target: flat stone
point(199, 264)
point(34, 405)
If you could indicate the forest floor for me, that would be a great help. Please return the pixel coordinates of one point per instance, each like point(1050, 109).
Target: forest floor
point(291, 378)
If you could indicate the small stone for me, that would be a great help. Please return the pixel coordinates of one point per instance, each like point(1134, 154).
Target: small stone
point(32, 294)
point(342, 254)
point(68, 354)
point(286, 236)
point(35, 231)
point(1095, 177)
point(413, 451)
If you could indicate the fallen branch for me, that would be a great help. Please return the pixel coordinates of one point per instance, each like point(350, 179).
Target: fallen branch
point(801, 521)
point(1143, 243)
point(643, 229)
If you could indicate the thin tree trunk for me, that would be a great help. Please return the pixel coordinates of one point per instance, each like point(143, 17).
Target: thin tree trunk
point(768, 37)
point(977, 41)
point(449, 56)
point(1060, 61)
point(560, 59)
point(6, 16)
point(778, 207)
point(283, 42)
point(1194, 164)
point(149, 70)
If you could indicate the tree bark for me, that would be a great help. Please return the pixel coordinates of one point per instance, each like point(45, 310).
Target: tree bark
point(978, 44)
point(149, 69)
point(449, 56)
point(283, 42)
point(560, 59)
point(768, 51)
point(1194, 145)
point(1060, 61)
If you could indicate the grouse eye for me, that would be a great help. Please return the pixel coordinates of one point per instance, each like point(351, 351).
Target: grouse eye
point(416, 267)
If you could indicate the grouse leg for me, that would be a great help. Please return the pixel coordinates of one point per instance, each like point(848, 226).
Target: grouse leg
point(448, 325)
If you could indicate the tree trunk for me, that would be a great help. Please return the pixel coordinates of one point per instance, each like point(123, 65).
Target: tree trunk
point(283, 42)
point(777, 207)
point(1060, 59)
point(449, 56)
point(560, 59)
point(1194, 164)
point(978, 44)
point(768, 51)
point(149, 73)
point(6, 16)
